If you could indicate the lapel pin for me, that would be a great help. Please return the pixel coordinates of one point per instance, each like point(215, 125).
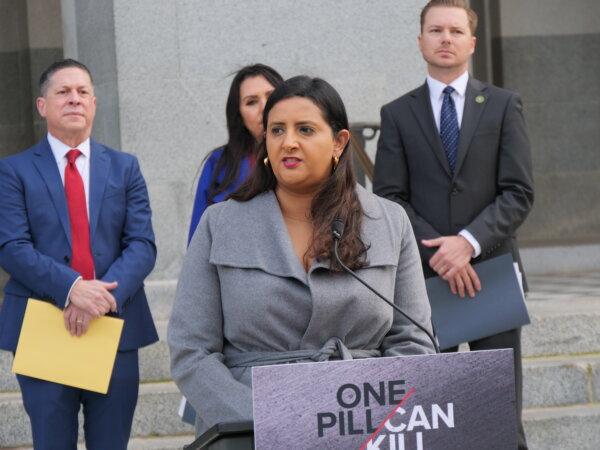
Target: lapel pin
point(480, 99)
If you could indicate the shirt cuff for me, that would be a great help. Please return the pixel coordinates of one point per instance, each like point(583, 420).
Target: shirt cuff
point(69, 294)
point(471, 239)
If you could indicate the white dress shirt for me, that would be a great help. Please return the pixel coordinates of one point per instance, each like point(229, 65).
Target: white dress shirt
point(436, 96)
point(60, 150)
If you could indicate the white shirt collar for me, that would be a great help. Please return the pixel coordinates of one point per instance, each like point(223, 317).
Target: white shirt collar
point(459, 84)
point(60, 149)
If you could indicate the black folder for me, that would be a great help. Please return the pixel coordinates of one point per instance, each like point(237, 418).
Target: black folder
point(498, 307)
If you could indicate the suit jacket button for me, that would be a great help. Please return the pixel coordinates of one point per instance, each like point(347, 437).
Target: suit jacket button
point(67, 259)
point(454, 191)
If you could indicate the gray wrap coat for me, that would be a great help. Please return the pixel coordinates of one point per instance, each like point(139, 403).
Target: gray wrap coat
point(243, 289)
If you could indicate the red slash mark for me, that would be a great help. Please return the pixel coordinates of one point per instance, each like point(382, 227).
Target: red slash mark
point(410, 392)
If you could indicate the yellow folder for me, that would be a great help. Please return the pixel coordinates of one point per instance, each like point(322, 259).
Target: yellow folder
point(46, 350)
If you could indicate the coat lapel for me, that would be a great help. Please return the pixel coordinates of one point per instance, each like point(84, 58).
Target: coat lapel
point(253, 234)
point(421, 108)
point(99, 166)
point(475, 101)
point(46, 166)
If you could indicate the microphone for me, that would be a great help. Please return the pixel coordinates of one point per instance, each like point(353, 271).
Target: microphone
point(337, 230)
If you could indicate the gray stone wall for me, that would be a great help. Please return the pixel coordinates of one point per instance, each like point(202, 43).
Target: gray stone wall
point(173, 64)
point(162, 71)
point(89, 37)
point(550, 55)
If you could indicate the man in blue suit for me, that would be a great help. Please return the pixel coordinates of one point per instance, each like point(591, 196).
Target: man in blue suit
point(75, 230)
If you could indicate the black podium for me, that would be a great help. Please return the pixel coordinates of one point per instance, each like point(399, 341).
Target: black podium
point(226, 436)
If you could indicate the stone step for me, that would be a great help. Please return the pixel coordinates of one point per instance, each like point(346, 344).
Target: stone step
point(155, 415)
point(149, 443)
point(160, 294)
point(563, 321)
point(564, 428)
point(561, 326)
point(551, 381)
point(548, 381)
point(154, 360)
point(560, 259)
point(8, 381)
point(561, 381)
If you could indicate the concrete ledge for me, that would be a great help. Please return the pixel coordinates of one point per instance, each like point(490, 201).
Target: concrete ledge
point(566, 428)
point(562, 327)
point(596, 381)
point(161, 294)
point(160, 443)
point(560, 259)
point(14, 426)
point(156, 412)
point(8, 381)
point(155, 363)
point(558, 381)
point(155, 415)
point(152, 443)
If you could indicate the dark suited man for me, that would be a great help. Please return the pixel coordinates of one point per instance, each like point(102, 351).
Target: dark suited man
point(75, 229)
point(455, 154)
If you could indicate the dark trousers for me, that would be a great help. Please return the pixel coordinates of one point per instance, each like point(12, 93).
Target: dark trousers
point(53, 409)
point(508, 339)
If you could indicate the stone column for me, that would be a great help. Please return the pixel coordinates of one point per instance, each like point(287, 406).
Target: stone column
point(89, 37)
point(15, 87)
point(30, 38)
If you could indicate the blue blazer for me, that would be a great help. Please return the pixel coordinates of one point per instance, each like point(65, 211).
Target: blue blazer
point(35, 235)
point(201, 201)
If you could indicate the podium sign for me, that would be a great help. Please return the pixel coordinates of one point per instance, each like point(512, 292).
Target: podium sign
point(428, 402)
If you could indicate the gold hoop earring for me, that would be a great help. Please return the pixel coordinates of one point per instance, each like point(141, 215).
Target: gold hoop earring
point(336, 160)
point(266, 161)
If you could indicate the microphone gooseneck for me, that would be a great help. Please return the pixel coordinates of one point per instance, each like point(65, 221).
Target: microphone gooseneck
point(337, 229)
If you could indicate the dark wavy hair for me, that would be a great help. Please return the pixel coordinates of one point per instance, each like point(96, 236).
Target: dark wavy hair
point(337, 196)
point(241, 143)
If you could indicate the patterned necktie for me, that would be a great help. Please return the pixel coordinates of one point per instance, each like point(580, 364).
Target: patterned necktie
point(81, 260)
point(449, 131)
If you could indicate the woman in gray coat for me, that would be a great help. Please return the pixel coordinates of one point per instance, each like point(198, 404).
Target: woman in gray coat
point(260, 285)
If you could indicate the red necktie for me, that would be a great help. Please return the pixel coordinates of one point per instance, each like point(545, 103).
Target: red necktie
point(81, 260)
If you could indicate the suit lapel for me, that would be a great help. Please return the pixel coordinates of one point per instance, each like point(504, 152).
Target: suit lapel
point(46, 166)
point(475, 101)
point(99, 166)
point(421, 108)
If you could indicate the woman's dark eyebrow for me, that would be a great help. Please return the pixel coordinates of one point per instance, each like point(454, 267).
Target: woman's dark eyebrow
point(306, 122)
